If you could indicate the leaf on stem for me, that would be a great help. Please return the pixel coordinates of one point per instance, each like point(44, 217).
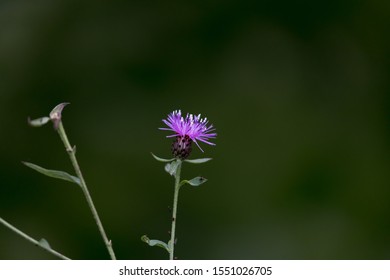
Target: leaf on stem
point(53, 173)
point(162, 159)
point(44, 244)
point(56, 114)
point(197, 181)
point(38, 122)
point(171, 167)
point(155, 242)
point(198, 161)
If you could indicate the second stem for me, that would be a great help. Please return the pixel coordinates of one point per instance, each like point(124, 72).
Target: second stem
point(72, 154)
point(174, 210)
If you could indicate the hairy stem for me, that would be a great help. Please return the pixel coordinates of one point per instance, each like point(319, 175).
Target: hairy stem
point(174, 211)
point(32, 240)
point(72, 155)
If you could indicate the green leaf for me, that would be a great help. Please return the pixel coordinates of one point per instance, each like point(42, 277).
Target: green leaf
point(38, 122)
point(197, 181)
point(171, 167)
point(198, 161)
point(53, 173)
point(162, 159)
point(155, 242)
point(43, 243)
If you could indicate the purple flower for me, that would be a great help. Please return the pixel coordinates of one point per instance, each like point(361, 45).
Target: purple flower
point(187, 130)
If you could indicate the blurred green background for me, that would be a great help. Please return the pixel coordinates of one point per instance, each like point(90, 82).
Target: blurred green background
point(299, 92)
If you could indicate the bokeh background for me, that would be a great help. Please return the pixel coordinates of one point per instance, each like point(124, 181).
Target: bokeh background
point(299, 92)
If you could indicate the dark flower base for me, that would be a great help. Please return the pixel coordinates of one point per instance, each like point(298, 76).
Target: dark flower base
point(182, 147)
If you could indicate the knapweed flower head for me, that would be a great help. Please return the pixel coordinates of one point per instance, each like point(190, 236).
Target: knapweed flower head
point(187, 130)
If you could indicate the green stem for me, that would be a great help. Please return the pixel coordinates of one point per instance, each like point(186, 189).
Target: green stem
point(32, 240)
point(174, 211)
point(72, 155)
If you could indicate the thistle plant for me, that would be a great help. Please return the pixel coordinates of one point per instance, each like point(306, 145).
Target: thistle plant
point(56, 118)
point(186, 130)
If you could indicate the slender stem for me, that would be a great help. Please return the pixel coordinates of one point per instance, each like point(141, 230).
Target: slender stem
point(32, 240)
point(174, 211)
point(72, 155)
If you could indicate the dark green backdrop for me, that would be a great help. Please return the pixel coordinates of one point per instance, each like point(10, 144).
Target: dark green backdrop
point(299, 92)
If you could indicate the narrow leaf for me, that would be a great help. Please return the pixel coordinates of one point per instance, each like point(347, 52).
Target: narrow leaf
point(162, 159)
point(43, 243)
point(155, 242)
point(38, 122)
point(53, 173)
point(197, 181)
point(199, 160)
